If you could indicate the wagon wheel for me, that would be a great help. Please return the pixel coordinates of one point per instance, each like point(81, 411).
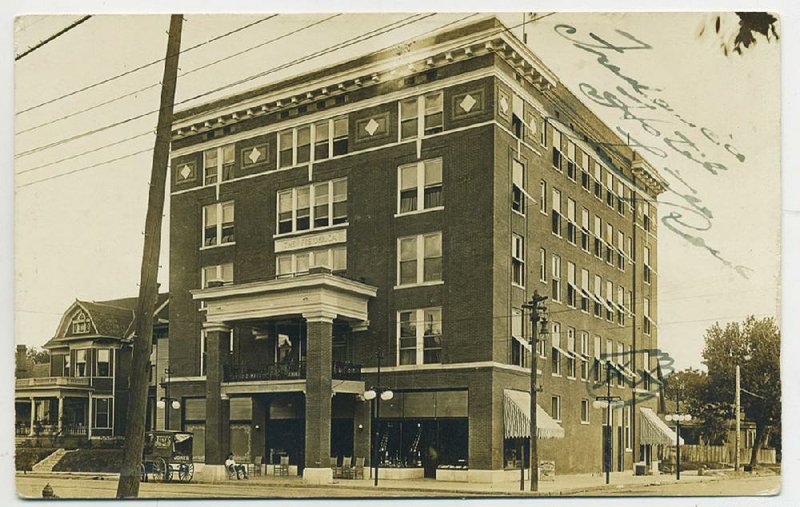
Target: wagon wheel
point(160, 470)
point(186, 472)
point(167, 470)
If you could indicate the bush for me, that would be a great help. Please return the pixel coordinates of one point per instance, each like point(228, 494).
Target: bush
point(26, 457)
point(91, 460)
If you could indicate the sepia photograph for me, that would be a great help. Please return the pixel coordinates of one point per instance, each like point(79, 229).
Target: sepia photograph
point(351, 254)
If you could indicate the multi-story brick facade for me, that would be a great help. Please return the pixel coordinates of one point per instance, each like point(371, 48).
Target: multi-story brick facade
point(407, 204)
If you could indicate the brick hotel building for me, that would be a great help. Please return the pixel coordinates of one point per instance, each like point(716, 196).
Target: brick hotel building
point(407, 203)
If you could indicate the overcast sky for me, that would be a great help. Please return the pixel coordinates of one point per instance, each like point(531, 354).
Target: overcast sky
point(80, 235)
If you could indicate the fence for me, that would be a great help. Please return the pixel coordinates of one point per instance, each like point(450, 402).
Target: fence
point(717, 454)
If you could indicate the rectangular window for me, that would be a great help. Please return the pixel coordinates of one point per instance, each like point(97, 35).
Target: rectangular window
point(517, 191)
point(598, 185)
point(555, 407)
point(585, 411)
point(103, 363)
point(518, 260)
point(219, 274)
point(543, 197)
point(585, 290)
point(420, 186)
point(584, 355)
point(620, 252)
point(210, 167)
point(218, 224)
point(620, 194)
point(286, 148)
point(646, 216)
point(542, 265)
point(646, 255)
point(571, 168)
point(555, 353)
point(598, 237)
point(596, 296)
point(409, 119)
point(620, 305)
point(584, 171)
point(556, 149)
point(80, 363)
point(598, 364)
point(585, 230)
point(303, 144)
point(312, 206)
point(519, 355)
point(609, 301)
point(433, 104)
point(648, 324)
point(557, 212)
point(609, 189)
point(628, 433)
point(102, 412)
point(555, 275)
point(572, 289)
point(646, 370)
point(67, 364)
point(571, 225)
point(571, 366)
point(419, 259)
point(322, 137)
point(295, 145)
point(290, 264)
point(340, 136)
point(620, 360)
point(608, 243)
point(419, 336)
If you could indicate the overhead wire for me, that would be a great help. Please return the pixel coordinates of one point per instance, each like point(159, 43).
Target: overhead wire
point(51, 38)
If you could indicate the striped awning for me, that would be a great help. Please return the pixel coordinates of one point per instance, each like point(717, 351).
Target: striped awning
point(654, 430)
point(516, 420)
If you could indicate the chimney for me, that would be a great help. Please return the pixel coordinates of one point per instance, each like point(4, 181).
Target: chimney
point(21, 361)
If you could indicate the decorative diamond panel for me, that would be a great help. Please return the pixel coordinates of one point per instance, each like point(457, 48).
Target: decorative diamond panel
point(504, 104)
point(186, 171)
point(371, 126)
point(468, 103)
point(255, 155)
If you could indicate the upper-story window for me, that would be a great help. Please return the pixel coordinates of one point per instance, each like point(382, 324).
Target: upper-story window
point(646, 216)
point(557, 149)
point(312, 206)
point(103, 363)
point(598, 185)
point(543, 196)
point(81, 323)
point(585, 290)
point(572, 227)
point(221, 273)
point(598, 236)
point(67, 361)
point(218, 164)
point(584, 162)
point(518, 260)
point(571, 168)
point(420, 186)
point(585, 229)
point(428, 107)
point(334, 259)
point(419, 336)
point(620, 251)
point(647, 270)
point(80, 363)
point(621, 190)
point(419, 259)
point(555, 350)
point(555, 275)
point(648, 324)
point(556, 218)
point(609, 243)
point(572, 290)
point(218, 225)
point(518, 187)
point(609, 189)
point(295, 144)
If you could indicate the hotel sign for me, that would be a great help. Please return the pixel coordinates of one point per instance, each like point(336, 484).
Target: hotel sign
point(310, 240)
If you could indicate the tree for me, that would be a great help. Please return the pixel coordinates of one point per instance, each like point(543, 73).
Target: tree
point(754, 345)
point(37, 356)
point(692, 387)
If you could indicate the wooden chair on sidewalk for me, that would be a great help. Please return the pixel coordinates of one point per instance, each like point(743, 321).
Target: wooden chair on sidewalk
point(347, 467)
point(256, 466)
point(282, 470)
point(358, 469)
point(337, 470)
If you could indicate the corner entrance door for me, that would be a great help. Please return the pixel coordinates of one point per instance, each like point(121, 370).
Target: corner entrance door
point(620, 450)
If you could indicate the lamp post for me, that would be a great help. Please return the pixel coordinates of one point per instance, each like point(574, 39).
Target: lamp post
point(678, 418)
point(538, 317)
point(377, 393)
point(166, 400)
point(607, 402)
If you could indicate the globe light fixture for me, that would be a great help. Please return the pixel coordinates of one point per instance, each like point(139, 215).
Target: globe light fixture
point(161, 404)
point(176, 404)
point(370, 395)
point(387, 395)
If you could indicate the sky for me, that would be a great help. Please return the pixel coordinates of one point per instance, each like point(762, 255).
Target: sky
point(80, 235)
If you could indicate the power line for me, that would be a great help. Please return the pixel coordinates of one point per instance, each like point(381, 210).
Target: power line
point(137, 69)
point(363, 37)
point(52, 37)
point(59, 175)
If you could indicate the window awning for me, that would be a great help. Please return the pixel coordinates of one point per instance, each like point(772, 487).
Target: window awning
point(516, 417)
point(654, 430)
point(525, 343)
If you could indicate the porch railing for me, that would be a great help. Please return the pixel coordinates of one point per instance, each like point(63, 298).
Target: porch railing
point(53, 381)
point(70, 430)
point(287, 371)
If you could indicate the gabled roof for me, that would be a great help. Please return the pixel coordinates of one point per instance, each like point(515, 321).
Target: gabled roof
point(109, 319)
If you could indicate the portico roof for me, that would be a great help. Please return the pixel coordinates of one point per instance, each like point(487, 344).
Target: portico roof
point(314, 294)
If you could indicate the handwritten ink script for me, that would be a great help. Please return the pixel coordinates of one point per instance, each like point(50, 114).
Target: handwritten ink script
point(614, 370)
point(638, 102)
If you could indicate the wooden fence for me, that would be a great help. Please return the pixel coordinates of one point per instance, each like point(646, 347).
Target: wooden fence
point(717, 454)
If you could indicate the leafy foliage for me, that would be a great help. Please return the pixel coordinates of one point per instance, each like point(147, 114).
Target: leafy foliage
point(38, 356)
point(691, 388)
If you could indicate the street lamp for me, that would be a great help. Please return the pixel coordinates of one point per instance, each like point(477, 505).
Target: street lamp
point(678, 418)
point(173, 402)
point(377, 393)
point(607, 402)
point(538, 317)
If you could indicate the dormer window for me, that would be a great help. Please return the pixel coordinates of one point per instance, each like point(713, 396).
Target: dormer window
point(80, 324)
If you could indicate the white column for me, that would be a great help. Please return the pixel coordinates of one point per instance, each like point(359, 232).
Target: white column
point(60, 413)
point(89, 419)
point(33, 415)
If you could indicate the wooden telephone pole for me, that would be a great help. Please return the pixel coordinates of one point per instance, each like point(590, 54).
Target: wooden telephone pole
point(128, 486)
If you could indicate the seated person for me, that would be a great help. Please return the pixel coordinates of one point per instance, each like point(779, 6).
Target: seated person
point(233, 467)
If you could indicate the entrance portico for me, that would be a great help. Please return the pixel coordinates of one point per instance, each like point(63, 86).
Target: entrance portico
point(319, 298)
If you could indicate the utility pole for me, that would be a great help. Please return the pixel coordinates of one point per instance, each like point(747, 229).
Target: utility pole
point(535, 308)
point(128, 486)
point(738, 423)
